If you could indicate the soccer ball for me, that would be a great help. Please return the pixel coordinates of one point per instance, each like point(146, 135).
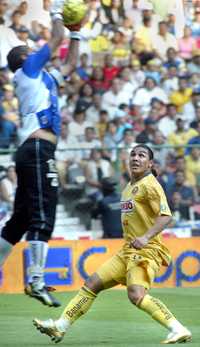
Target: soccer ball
point(74, 11)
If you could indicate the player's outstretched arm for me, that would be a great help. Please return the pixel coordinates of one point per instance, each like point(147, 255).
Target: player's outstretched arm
point(73, 53)
point(57, 32)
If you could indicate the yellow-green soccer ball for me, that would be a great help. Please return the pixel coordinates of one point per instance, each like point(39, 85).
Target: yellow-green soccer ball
point(74, 11)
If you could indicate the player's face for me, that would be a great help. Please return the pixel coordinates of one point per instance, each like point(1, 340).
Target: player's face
point(139, 162)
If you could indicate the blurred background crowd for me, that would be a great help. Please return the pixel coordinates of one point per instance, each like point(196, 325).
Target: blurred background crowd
point(137, 81)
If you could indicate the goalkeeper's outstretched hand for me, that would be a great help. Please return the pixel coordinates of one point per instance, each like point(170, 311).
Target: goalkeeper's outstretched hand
point(56, 7)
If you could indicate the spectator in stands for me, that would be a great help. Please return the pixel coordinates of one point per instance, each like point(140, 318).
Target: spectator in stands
point(95, 170)
point(164, 40)
point(16, 21)
point(7, 131)
point(194, 65)
point(110, 140)
point(85, 96)
point(193, 165)
point(173, 59)
point(133, 12)
point(8, 40)
point(122, 121)
point(194, 81)
point(114, 14)
point(114, 97)
point(195, 140)
point(45, 17)
point(183, 95)
point(144, 35)
point(119, 47)
point(144, 95)
point(24, 36)
point(97, 81)
point(62, 96)
point(23, 9)
point(84, 68)
point(8, 187)
point(127, 29)
point(170, 82)
point(110, 69)
point(147, 135)
point(128, 141)
point(10, 105)
point(92, 113)
point(74, 84)
point(109, 209)
point(186, 192)
point(137, 74)
point(79, 123)
point(180, 211)
point(167, 124)
point(129, 85)
point(67, 153)
point(197, 117)
point(89, 141)
point(180, 137)
point(187, 44)
point(3, 10)
point(153, 69)
point(180, 165)
point(102, 124)
point(160, 150)
point(189, 109)
point(195, 23)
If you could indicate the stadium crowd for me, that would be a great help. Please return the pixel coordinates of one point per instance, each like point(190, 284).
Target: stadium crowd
point(136, 82)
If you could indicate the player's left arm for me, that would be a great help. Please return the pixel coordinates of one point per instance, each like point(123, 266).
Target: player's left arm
point(70, 62)
point(159, 205)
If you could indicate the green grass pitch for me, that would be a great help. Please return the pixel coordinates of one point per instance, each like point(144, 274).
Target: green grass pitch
point(111, 322)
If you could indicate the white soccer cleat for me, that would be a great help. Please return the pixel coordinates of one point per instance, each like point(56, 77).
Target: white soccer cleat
point(182, 336)
point(49, 328)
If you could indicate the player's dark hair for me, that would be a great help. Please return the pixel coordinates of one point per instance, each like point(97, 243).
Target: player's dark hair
point(151, 156)
point(14, 57)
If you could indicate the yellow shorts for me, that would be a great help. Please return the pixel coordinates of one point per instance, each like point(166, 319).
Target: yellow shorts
point(135, 267)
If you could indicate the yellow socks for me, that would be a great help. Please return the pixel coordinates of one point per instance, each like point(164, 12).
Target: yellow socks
point(158, 311)
point(79, 305)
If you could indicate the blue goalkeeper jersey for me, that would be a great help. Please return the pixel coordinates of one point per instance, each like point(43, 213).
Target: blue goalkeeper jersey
point(37, 94)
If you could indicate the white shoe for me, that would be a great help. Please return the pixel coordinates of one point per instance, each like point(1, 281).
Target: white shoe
point(180, 336)
point(49, 328)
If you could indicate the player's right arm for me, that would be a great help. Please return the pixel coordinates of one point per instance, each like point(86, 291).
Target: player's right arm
point(37, 60)
point(73, 52)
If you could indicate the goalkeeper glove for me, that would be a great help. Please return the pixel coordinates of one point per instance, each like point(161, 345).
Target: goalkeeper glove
point(56, 9)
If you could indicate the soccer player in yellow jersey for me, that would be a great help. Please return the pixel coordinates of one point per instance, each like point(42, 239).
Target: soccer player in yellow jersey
point(145, 213)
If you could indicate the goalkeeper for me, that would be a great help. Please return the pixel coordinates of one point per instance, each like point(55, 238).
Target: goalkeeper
point(36, 195)
point(145, 213)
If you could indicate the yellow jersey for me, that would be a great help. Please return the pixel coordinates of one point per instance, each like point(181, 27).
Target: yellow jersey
point(142, 202)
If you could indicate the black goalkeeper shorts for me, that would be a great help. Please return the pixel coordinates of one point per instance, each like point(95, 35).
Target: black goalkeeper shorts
point(36, 194)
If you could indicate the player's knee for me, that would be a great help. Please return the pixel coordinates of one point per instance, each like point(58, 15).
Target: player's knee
point(136, 294)
point(94, 283)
